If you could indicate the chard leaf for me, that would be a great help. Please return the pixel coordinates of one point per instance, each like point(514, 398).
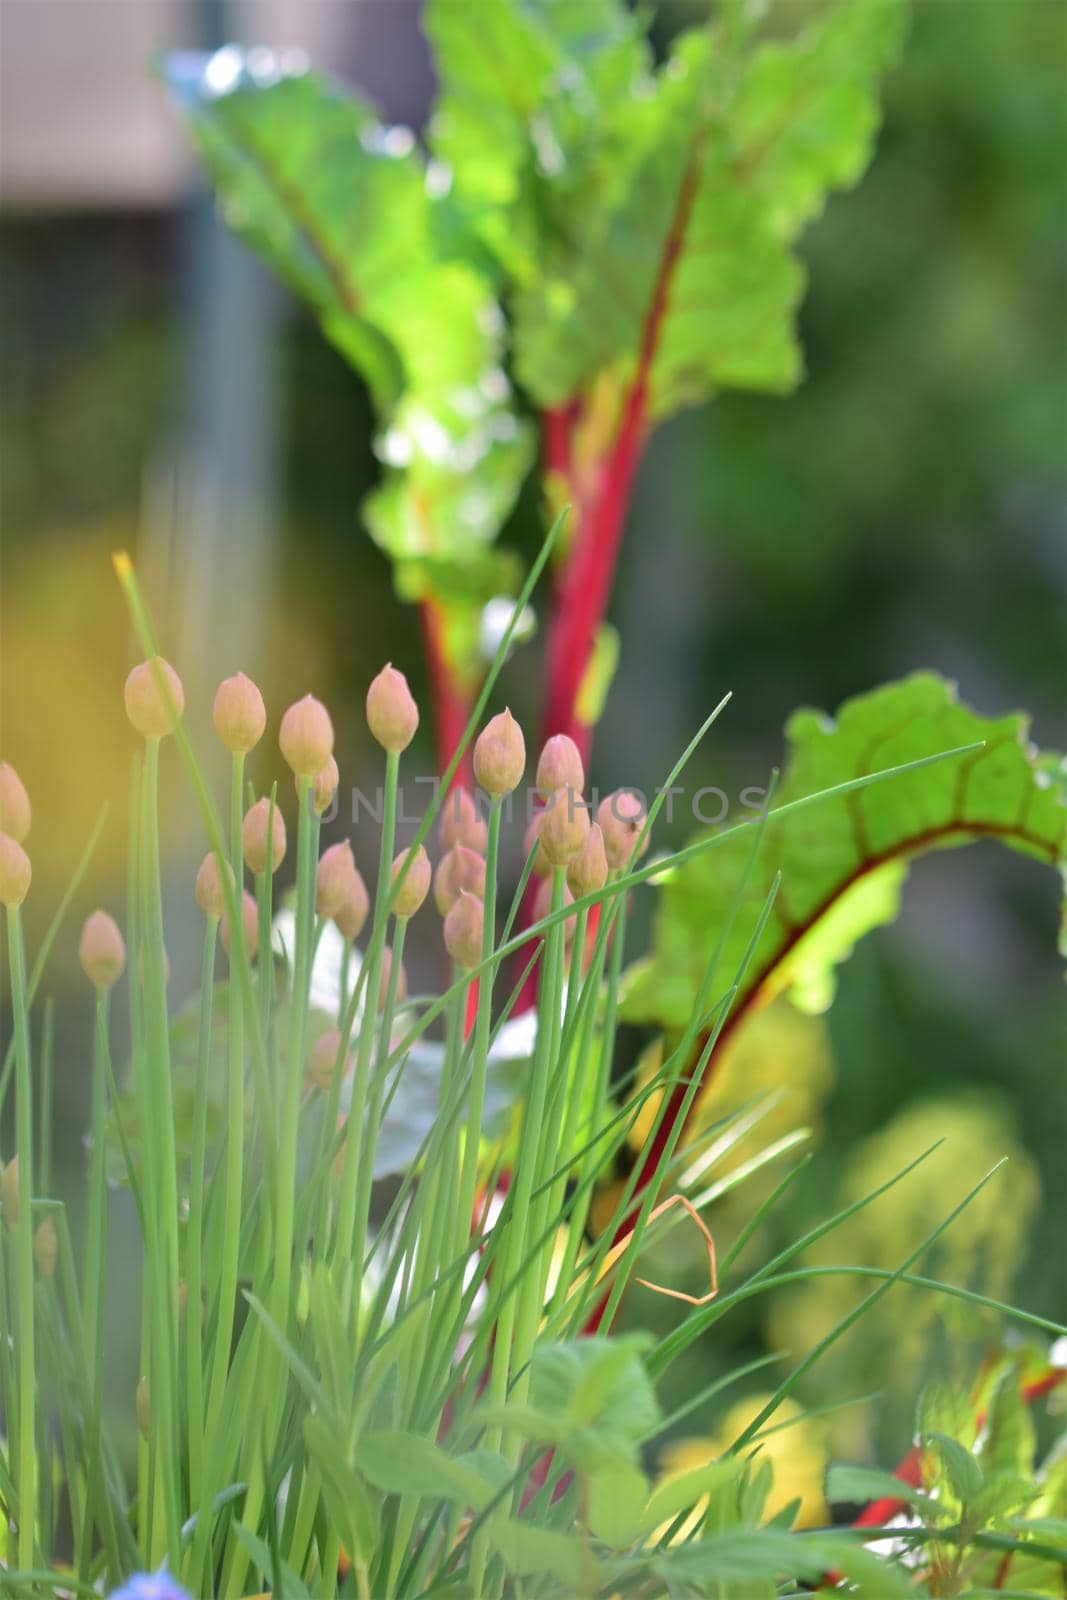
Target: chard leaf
point(340, 205)
point(844, 861)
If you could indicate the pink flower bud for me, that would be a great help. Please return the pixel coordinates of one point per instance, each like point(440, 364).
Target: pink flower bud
point(322, 1060)
point(250, 921)
point(16, 812)
point(324, 786)
point(46, 1247)
point(560, 766)
point(416, 884)
point(259, 820)
point(542, 866)
point(9, 1192)
point(463, 930)
point(543, 905)
point(564, 826)
point(335, 872)
point(239, 714)
point(461, 869)
point(459, 822)
point(500, 755)
point(146, 705)
point(102, 950)
point(588, 872)
point(15, 872)
point(392, 715)
point(210, 895)
point(621, 817)
point(386, 974)
point(306, 736)
point(352, 916)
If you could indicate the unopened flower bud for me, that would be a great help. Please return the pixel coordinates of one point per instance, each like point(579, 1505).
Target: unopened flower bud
point(392, 715)
point(15, 871)
point(622, 819)
point(16, 813)
point(250, 923)
point(9, 1192)
point(306, 736)
point(239, 714)
point(210, 895)
point(564, 826)
point(560, 766)
point(333, 878)
point(588, 872)
point(463, 930)
point(46, 1247)
point(142, 1408)
point(500, 755)
point(322, 1059)
point(261, 820)
point(459, 822)
point(324, 787)
point(543, 905)
point(416, 884)
point(146, 705)
point(102, 950)
point(351, 918)
point(542, 866)
point(461, 869)
point(386, 975)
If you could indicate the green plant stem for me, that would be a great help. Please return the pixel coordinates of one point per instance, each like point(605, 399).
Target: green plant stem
point(27, 1382)
point(194, 1273)
point(480, 1068)
point(96, 1216)
point(226, 1305)
point(348, 1247)
point(365, 1182)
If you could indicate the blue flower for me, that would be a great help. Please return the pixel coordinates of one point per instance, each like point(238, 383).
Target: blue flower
point(150, 1586)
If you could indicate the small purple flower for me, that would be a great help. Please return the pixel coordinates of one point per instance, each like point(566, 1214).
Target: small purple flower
point(150, 1586)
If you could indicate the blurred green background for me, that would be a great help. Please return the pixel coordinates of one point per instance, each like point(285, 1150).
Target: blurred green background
point(905, 509)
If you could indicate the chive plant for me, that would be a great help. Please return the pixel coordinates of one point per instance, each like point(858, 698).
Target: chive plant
point(339, 1392)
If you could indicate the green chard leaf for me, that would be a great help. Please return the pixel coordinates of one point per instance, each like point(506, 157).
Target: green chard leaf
point(843, 861)
point(647, 217)
point(344, 209)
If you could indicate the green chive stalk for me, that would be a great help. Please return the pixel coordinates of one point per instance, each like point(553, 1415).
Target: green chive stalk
point(27, 1382)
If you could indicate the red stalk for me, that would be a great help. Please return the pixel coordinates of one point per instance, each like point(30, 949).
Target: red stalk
point(451, 704)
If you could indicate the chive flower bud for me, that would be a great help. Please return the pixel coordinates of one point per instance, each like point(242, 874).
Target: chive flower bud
point(461, 869)
point(559, 766)
point(564, 826)
point(463, 930)
point(46, 1247)
point(459, 822)
point(392, 715)
point(239, 714)
point(15, 871)
point(210, 895)
point(324, 786)
point(322, 1060)
point(16, 813)
point(306, 736)
point(542, 866)
point(416, 884)
point(102, 950)
point(386, 974)
point(260, 819)
point(621, 817)
point(146, 705)
point(351, 918)
point(336, 868)
point(250, 922)
point(588, 872)
point(9, 1192)
point(500, 755)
